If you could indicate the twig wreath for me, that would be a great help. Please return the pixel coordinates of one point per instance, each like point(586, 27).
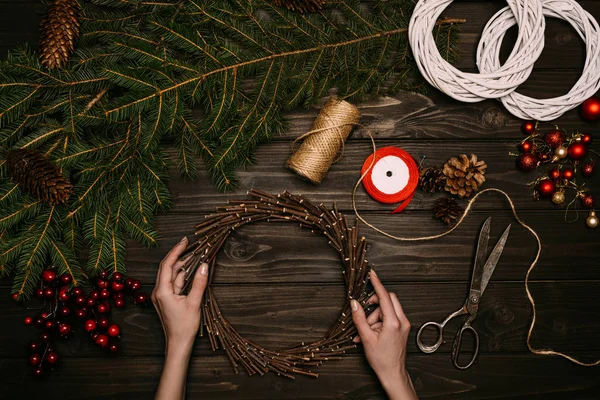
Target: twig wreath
point(212, 234)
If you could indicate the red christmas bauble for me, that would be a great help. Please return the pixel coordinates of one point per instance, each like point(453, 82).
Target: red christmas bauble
point(28, 321)
point(140, 298)
point(527, 162)
point(39, 293)
point(119, 303)
point(586, 138)
point(52, 357)
point(103, 308)
point(89, 325)
point(528, 127)
point(64, 329)
point(35, 359)
point(590, 109)
point(568, 173)
point(555, 138)
point(587, 201)
point(48, 276)
point(103, 322)
point(38, 372)
point(66, 279)
point(101, 283)
point(554, 173)
point(113, 347)
point(136, 285)
point(526, 146)
point(81, 313)
point(102, 340)
point(77, 291)
point(577, 151)
point(104, 294)
point(117, 276)
point(48, 292)
point(117, 286)
point(588, 169)
point(546, 187)
point(113, 330)
point(80, 300)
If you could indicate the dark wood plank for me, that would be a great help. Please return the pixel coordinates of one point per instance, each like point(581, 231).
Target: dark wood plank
point(495, 376)
point(278, 316)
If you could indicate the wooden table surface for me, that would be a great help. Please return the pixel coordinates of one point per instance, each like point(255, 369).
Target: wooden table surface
point(279, 284)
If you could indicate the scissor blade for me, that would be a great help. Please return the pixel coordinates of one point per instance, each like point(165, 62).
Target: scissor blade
point(490, 265)
point(482, 244)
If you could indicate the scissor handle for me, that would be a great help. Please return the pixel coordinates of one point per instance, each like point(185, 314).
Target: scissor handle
point(430, 348)
point(456, 345)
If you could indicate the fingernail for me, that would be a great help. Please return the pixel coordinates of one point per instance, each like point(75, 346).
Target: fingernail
point(204, 269)
point(355, 340)
point(183, 239)
point(373, 272)
point(354, 305)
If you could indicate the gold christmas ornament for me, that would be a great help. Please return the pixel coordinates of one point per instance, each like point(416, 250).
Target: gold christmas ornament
point(561, 152)
point(558, 197)
point(303, 6)
point(464, 175)
point(592, 220)
point(59, 33)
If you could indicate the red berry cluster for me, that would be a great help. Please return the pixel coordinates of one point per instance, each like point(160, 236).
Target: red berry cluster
point(569, 155)
point(64, 304)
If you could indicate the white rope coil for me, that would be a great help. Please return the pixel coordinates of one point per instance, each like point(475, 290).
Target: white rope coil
point(500, 81)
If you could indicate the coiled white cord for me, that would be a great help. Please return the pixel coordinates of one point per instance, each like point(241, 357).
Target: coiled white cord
point(500, 81)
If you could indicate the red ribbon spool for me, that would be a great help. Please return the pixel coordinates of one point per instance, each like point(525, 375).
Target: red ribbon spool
point(393, 177)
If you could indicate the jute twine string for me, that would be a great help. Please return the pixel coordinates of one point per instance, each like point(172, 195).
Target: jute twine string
point(324, 141)
point(547, 352)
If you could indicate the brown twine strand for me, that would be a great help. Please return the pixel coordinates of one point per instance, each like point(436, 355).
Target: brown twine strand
point(548, 352)
point(324, 141)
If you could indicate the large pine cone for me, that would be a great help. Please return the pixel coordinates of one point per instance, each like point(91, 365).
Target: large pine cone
point(59, 33)
point(38, 176)
point(303, 6)
point(464, 175)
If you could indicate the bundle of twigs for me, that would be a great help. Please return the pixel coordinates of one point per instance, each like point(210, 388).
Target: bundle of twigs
point(255, 359)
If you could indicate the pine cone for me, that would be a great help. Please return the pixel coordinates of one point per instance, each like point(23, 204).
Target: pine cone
point(303, 6)
point(464, 175)
point(432, 180)
point(447, 210)
point(38, 176)
point(59, 32)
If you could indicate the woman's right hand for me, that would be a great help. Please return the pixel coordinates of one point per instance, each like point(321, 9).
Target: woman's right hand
point(384, 334)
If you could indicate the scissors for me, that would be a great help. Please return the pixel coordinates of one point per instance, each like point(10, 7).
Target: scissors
point(482, 272)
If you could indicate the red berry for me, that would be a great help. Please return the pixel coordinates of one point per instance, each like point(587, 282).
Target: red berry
point(568, 173)
point(34, 345)
point(80, 300)
point(140, 298)
point(103, 274)
point(586, 138)
point(48, 292)
point(103, 308)
point(35, 359)
point(117, 276)
point(64, 329)
point(39, 293)
point(66, 279)
point(104, 294)
point(546, 187)
point(63, 294)
point(77, 291)
point(102, 340)
point(94, 294)
point(528, 127)
point(48, 276)
point(49, 324)
point(103, 322)
point(81, 313)
point(64, 311)
point(28, 321)
point(119, 303)
point(113, 347)
point(90, 302)
point(15, 296)
point(113, 330)
point(40, 322)
point(89, 325)
point(128, 283)
point(45, 336)
point(117, 286)
point(590, 109)
point(101, 283)
point(577, 151)
point(44, 315)
point(52, 357)
point(118, 295)
point(136, 285)
point(38, 372)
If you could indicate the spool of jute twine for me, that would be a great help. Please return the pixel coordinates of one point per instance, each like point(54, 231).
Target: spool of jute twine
point(324, 141)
